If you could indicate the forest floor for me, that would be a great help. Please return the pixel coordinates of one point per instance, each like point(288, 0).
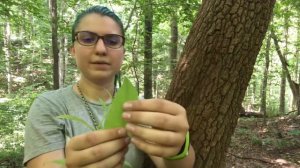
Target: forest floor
point(275, 145)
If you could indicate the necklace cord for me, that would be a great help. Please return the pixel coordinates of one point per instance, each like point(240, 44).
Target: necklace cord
point(87, 106)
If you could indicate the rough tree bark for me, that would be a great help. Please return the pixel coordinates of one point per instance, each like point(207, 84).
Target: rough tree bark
point(214, 71)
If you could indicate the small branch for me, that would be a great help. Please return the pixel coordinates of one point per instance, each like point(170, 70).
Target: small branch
point(130, 16)
point(251, 158)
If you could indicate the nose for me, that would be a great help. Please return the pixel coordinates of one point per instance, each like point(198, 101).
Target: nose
point(100, 47)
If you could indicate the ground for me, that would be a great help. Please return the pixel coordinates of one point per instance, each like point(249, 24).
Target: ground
point(273, 145)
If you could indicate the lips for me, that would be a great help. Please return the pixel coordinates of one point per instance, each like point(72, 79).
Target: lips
point(100, 62)
point(100, 65)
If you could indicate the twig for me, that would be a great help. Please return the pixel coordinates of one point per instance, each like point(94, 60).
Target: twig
point(251, 158)
point(130, 16)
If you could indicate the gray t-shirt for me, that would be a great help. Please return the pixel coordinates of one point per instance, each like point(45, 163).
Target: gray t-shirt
point(44, 132)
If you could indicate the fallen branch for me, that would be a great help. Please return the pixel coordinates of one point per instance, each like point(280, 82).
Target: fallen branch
point(251, 158)
point(251, 114)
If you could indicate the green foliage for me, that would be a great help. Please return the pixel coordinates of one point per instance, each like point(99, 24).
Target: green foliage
point(127, 92)
point(256, 141)
point(13, 112)
point(112, 117)
point(242, 131)
point(11, 158)
point(77, 119)
point(294, 132)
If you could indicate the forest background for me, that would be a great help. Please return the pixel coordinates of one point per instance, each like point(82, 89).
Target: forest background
point(35, 37)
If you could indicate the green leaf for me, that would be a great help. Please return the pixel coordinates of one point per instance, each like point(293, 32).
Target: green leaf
point(126, 93)
point(75, 118)
point(60, 162)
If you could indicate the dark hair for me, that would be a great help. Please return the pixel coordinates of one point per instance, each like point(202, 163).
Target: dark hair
point(101, 10)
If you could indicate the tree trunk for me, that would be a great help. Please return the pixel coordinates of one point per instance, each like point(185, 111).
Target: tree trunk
point(62, 61)
point(7, 53)
point(174, 43)
point(282, 92)
point(282, 105)
point(135, 58)
point(148, 21)
point(293, 85)
point(263, 102)
point(215, 69)
point(297, 55)
point(148, 50)
point(55, 50)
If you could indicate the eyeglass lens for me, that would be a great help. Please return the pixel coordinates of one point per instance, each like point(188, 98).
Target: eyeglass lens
point(89, 38)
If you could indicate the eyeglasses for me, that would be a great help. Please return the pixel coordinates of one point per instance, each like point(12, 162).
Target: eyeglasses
point(87, 38)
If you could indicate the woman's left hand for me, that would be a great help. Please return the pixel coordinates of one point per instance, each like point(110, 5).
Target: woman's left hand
point(156, 126)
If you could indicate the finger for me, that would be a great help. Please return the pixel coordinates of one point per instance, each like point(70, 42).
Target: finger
point(90, 139)
point(113, 161)
point(158, 120)
point(154, 149)
point(155, 105)
point(98, 152)
point(166, 138)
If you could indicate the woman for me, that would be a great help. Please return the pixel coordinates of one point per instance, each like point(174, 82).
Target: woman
point(98, 48)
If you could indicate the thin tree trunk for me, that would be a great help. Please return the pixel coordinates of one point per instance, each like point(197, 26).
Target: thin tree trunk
point(174, 43)
point(253, 97)
point(135, 58)
point(148, 21)
point(148, 50)
point(62, 61)
point(55, 50)
point(298, 55)
point(214, 71)
point(293, 85)
point(282, 92)
point(148, 24)
point(283, 73)
point(130, 16)
point(7, 53)
point(263, 102)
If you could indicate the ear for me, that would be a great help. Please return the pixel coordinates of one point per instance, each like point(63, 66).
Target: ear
point(72, 50)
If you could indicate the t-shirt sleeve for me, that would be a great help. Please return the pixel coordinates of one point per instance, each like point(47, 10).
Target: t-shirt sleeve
point(44, 132)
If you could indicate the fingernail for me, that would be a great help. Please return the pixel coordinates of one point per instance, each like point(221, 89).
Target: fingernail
point(122, 131)
point(132, 140)
point(130, 127)
point(127, 105)
point(126, 115)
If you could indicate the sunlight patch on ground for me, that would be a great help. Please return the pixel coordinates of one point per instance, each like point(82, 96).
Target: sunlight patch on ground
point(3, 100)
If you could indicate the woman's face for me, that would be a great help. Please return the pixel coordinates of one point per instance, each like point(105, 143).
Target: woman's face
point(98, 63)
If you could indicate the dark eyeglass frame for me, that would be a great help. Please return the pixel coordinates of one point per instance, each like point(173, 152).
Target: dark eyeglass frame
point(100, 37)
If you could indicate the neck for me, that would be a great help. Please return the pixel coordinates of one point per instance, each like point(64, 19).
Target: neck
point(95, 91)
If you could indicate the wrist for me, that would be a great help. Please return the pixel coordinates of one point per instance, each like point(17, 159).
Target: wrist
point(184, 151)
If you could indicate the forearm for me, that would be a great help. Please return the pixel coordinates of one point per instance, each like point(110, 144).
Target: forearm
point(47, 160)
point(187, 162)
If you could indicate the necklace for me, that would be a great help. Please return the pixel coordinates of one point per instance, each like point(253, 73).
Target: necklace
point(87, 106)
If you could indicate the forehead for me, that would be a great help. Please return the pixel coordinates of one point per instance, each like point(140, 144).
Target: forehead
point(99, 24)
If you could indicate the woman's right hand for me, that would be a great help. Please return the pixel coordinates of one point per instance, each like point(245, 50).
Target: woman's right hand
point(101, 148)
